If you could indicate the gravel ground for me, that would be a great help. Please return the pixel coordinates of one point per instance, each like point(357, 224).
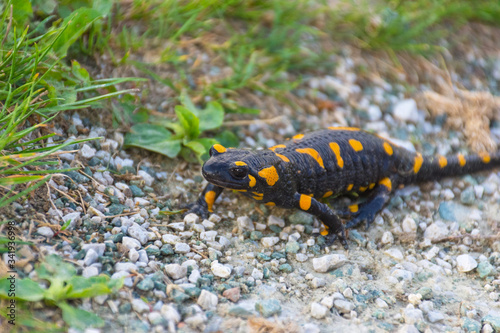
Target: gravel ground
point(429, 263)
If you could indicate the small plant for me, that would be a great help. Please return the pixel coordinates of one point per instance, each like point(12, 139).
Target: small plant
point(157, 136)
point(64, 286)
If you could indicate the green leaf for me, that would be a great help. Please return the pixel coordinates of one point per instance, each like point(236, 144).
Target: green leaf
point(189, 121)
point(154, 138)
point(201, 147)
point(211, 117)
point(25, 289)
point(228, 139)
point(66, 225)
point(21, 12)
point(53, 267)
point(77, 23)
point(78, 318)
point(171, 212)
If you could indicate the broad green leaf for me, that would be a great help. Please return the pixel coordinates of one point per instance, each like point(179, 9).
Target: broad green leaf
point(77, 23)
point(78, 318)
point(211, 117)
point(80, 73)
point(53, 267)
point(93, 286)
point(25, 289)
point(189, 121)
point(186, 101)
point(154, 138)
point(201, 147)
point(228, 139)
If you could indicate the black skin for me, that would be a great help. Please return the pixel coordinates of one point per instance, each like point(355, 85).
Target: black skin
point(336, 161)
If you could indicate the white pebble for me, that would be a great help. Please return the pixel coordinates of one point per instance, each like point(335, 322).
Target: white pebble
point(465, 263)
point(318, 311)
point(220, 270)
point(328, 262)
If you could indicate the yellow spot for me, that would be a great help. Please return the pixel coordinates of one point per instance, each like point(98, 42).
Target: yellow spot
point(324, 232)
point(327, 194)
point(461, 160)
point(418, 162)
point(258, 198)
point(340, 128)
point(270, 175)
point(273, 148)
point(349, 187)
point(363, 188)
point(298, 136)
point(252, 181)
point(313, 153)
point(372, 185)
point(210, 199)
point(283, 157)
point(356, 145)
point(442, 161)
point(241, 190)
point(270, 203)
point(240, 163)
point(387, 183)
point(388, 148)
point(485, 157)
point(219, 148)
point(334, 146)
point(353, 208)
point(305, 202)
point(258, 194)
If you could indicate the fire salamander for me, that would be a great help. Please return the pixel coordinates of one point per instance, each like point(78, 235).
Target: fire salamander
point(330, 162)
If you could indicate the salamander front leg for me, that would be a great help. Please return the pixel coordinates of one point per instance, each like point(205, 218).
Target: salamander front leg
point(331, 221)
point(205, 202)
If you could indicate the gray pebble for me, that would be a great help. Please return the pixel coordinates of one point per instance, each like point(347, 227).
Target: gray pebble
point(46, 231)
point(87, 151)
point(90, 258)
point(465, 263)
point(343, 306)
point(207, 300)
point(90, 271)
point(176, 271)
point(131, 243)
point(318, 311)
point(245, 223)
point(328, 262)
point(412, 316)
point(139, 305)
point(97, 247)
point(182, 248)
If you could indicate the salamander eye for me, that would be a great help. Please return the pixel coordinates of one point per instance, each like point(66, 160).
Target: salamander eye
point(239, 172)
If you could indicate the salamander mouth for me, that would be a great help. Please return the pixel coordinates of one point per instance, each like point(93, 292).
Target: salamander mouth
point(224, 183)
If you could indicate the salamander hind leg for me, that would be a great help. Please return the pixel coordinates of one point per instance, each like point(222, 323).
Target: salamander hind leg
point(368, 210)
point(331, 221)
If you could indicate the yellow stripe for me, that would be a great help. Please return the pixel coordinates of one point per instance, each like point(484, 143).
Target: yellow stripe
point(418, 162)
point(240, 163)
point(340, 128)
point(356, 145)
point(353, 208)
point(283, 157)
point(327, 194)
point(442, 162)
point(387, 183)
point(298, 136)
point(305, 202)
point(336, 150)
point(461, 160)
point(363, 188)
point(349, 187)
point(252, 181)
point(273, 148)
point(485, 157)
point(219, 148)
point(210, 199)
point(313, 153)
point(388, 148)
point(270, 203)
point(372, 185)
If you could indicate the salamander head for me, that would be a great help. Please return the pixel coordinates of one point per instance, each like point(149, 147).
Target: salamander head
point(240, 169)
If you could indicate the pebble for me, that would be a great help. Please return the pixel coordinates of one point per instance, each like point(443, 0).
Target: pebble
point(318, 311)
point(269, 241)
point(133, 255)
point(138, 232)
point(176, 271)
point(406, 110)
point(170, 239)
point(394, 253)
point(268, 307)
point(148, 180)
point(381, 303)
point(182, 248)
point(465, 263)
point(435, 316)
point(274, 220)
point(301, 257)
point(300, 217)
point(97, 247)
point(87, 151)
point(387, 238)
point(374, 113)
point(146, 285)
point(493, 321)
point(125, 266)
point(207, 300)
point(485, 269)
point(90, 271)
point(74, 217)
point(131, 243)
point(328, 262)
point(46, 232)
point(90, 258)
point(468, 196)
point(343, 306)
point(436, 230)
point(318, 283)
point(220, 270)
point(232, 294)
point(139, 305)
point(409, 225)
point(412, 315)
point(191, 218)
point(245, 223)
